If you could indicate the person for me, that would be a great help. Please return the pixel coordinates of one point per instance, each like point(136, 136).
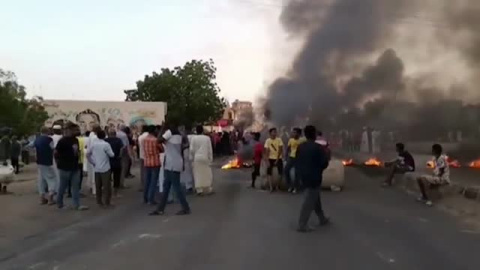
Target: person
point(15, 152)
point(376, 140)
point(57, 134)
point(92, 137)
point(186, 176)
point(25, 150)
point(122, 135)
point(292, 147)
point(67, 154)
point(152, 149)
point(201, 154)
point(365, 141)
point(141, 155)
point(115, 162)
point(274, 151)
point(225, 144)
point(47, 180)
point(81, 149)
point(402, 164)
point(5, 149)
point(99, 155)
point(173, 165)
point(257, 157)
point(132, 146)
point(312, 161)
point(441, 174)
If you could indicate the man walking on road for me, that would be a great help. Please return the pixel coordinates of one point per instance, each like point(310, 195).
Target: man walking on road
point(47, 180)
point(173, 165)
point(312, 160)
point(99, 155)
point(67, 153)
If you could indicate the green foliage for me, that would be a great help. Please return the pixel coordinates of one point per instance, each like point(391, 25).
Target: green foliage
point(191, 93)
point(24, 116)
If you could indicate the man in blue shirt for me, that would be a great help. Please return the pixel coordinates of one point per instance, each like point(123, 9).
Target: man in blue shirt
point(47, 179)
point(311, 161)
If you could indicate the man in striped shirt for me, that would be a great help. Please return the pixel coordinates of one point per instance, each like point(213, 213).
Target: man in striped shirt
point(151, 161)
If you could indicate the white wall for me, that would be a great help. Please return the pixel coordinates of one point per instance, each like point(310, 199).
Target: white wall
point(105, 113)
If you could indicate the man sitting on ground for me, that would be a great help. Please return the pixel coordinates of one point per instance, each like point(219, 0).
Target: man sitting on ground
point(441, 174)
point(402, 164)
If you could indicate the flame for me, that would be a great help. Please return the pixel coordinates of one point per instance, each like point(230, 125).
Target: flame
point(431, 165)
point(453, 163)
point(475, 164)
point(373, 162)
point(232, 164)
point(347, 162)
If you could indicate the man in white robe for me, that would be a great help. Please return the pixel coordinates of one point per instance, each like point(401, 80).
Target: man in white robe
point(90, 168)
point(201, 154)
point(365, 146)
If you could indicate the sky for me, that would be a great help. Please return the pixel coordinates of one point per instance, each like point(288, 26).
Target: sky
point(93, 50)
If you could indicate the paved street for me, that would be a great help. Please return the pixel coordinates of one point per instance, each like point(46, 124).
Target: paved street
point(239, 228)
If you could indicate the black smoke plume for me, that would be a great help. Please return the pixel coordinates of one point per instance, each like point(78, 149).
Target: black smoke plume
point(332, 84)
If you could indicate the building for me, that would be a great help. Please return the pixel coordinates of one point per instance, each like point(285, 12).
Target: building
point(231, 115)
point(105, 113)
point(240, 108)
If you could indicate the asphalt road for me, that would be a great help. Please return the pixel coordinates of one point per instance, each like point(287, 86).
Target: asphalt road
point(239, 228)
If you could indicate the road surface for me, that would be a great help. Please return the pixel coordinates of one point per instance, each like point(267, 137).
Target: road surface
point(239, 228)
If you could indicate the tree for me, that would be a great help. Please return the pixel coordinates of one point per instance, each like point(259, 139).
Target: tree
point(191, 93)
point(24, 116)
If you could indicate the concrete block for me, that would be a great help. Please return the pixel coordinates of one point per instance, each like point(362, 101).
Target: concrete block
point(6, 174)
point(334, 175)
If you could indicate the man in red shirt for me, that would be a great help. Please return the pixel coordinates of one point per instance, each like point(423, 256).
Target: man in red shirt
point(151, 160)
point(257, 157)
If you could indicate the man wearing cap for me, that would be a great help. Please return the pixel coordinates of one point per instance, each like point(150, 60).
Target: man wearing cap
point(57, 134)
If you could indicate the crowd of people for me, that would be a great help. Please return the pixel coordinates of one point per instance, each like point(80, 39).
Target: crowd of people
point(15, 149)
point(173, 162)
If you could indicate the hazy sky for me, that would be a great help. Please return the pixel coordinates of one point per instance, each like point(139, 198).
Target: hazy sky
point(95, 49)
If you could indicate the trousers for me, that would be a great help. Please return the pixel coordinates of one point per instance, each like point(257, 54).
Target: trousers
point(311, 203)
point(172, 179)
point(69, 178)
point(103, 185)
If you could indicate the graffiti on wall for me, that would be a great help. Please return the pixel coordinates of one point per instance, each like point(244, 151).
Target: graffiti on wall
point(106, 114)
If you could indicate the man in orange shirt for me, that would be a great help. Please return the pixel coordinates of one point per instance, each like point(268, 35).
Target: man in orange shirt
point(151, 161)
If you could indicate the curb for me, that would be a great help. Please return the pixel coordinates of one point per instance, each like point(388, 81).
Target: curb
point(469, 192)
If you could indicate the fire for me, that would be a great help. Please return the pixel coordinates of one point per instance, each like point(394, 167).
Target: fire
point(430, 165)
point(232, 164)
point(347, 162)
point(373, 162)
point(453, 163)
point(475, 164)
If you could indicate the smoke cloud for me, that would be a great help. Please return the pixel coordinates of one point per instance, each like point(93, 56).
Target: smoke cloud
point(350, 66)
